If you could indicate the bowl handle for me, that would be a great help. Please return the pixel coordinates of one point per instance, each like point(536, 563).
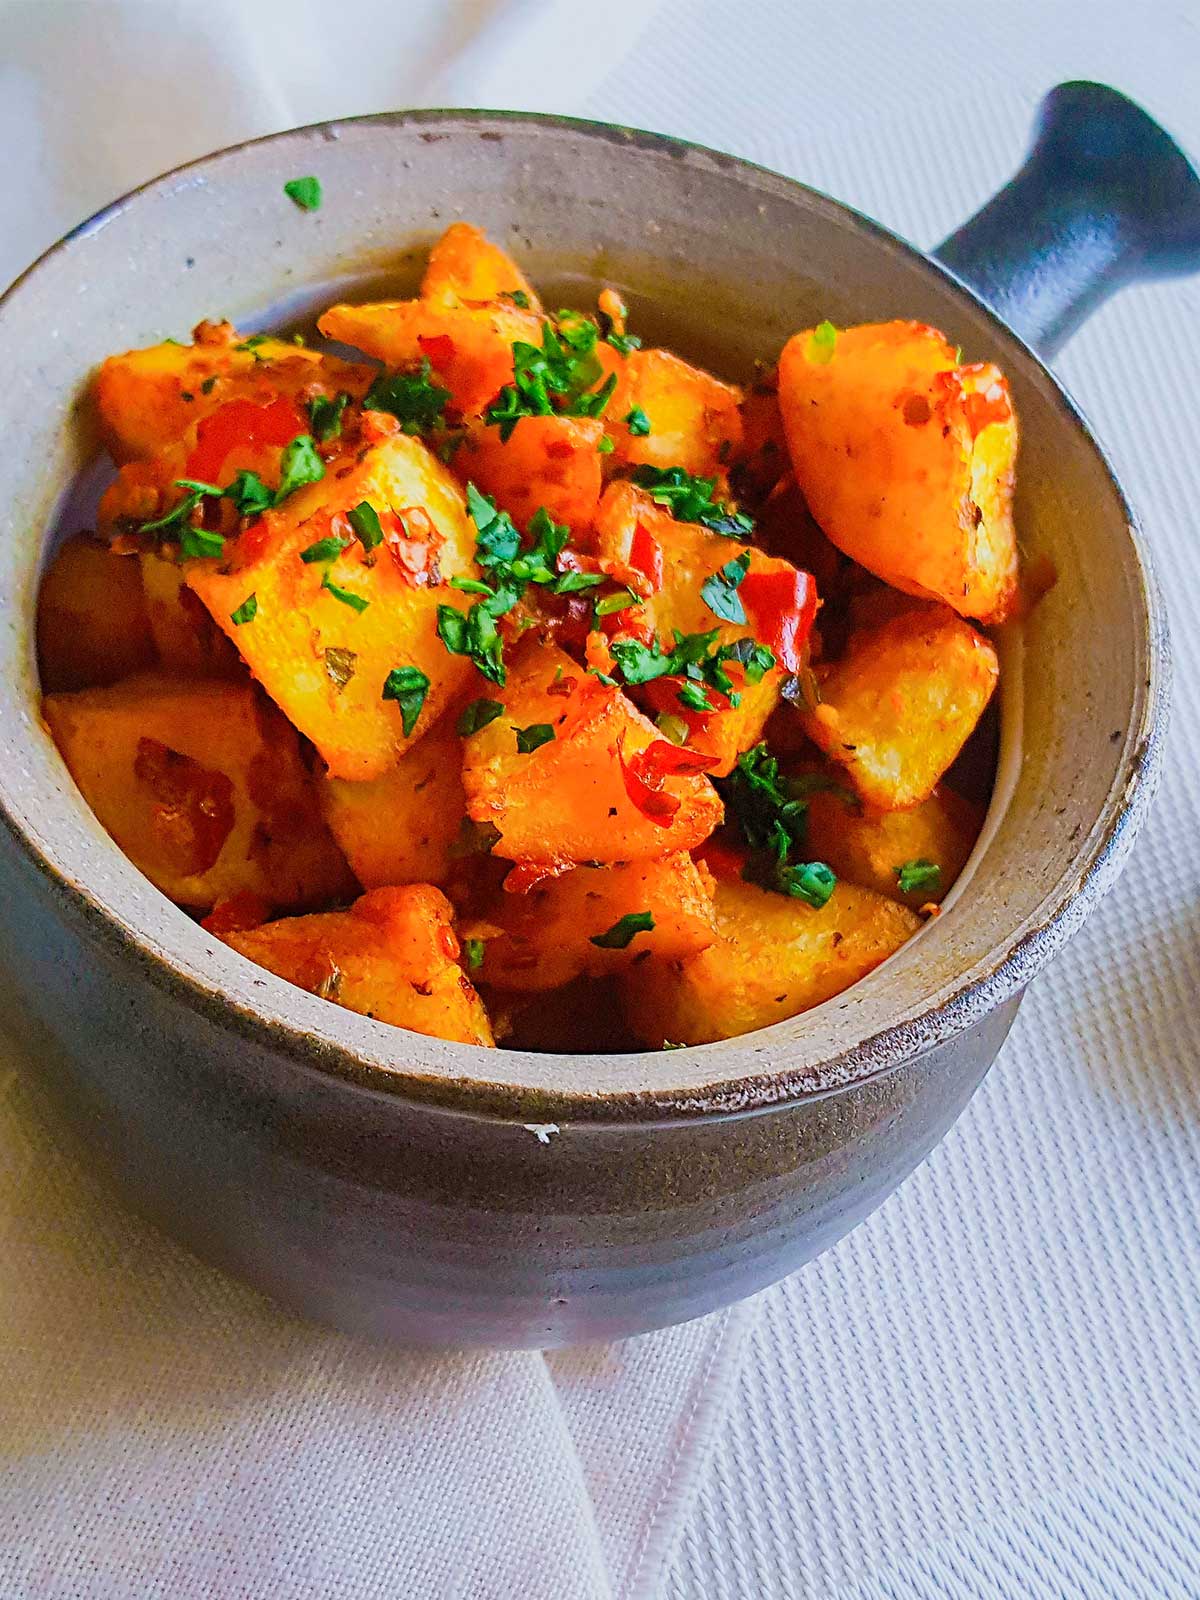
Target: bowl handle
point(1105, 197)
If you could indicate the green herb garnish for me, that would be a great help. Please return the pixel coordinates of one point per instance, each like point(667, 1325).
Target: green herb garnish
point(690, 499)
point(773, 821)
point(198, 543)
point(573, 582)
point(621, 601)
point(473, 633)
point(477, 715)
point(821, 345)
point(473, 951)
point(327, 549)
point(299, 465)
point(417, 402)
point(356, 602)
point(637, 422)
point(720, 591)
point(246, 612)
point(556, 376)
point(533, 737)
point(605, 446)
point(918, 875)
point(618, 937)
point(364, 519)
point(407, 686)
point(325, 415)
point(306, 192)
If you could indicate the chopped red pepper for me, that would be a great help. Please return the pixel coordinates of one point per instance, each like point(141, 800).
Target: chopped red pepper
point(240, 422)
point(783, 608)
point(645, 553)
point(439, 347)
point(645, 773)
point(412, 541)
point(992, 405)
point(526, 875)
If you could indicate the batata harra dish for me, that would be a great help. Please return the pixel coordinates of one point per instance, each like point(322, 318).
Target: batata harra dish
point(504, 680)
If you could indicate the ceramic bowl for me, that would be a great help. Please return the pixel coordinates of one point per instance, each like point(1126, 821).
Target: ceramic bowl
point(403, 1186)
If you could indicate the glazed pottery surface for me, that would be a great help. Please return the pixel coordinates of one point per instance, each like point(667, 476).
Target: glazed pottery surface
point(439, 1193)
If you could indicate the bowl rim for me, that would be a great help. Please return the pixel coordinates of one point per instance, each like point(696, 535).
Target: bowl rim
point(1001, 976)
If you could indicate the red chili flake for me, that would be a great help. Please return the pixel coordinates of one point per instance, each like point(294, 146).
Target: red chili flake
point(439, 347)
point(448, 942)
point(238, 914)
point(783, 608)
point(646, 772)
point(645, 553)
point(526, 875)
point(629, 624)
point(562, 686)
point(411, 539)
point(559, 449)
point(241, 422)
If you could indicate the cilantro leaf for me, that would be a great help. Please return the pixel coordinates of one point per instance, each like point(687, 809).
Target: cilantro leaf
point(498, 540)
point(364, 519)
point(249, 494)
point(199, 542)
point(477, 715)
point(562, 369)
point(356, 602)
point(821, 344)
point(690, 499)
point(692, 696)
point(407, 686)
point(300, 464)
point(327, 549)
point(473, 953)
point(246, 612)
point(325, 415)
point(637, 422)
point(518, 297)
point(619, 936)
point(919, 874)
point(624, 342)
point(411, 397)
point(774, 823)
point(573, 582)
point(811, 881)
point(473, 633)
point(533, 737)
point(305, 192)
point(623, 600)
point(720, 591)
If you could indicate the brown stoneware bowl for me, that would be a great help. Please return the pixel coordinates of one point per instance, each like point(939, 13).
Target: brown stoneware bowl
point(444, 1194)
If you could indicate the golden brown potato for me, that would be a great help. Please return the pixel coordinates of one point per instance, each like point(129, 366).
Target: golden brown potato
point(151, 399)
point(694, 420)
point(392, 956)
point(468, 347)
point(546, 461)
point(402, 828)
point(900, 703)
point(201, 785)
point(576, 796)
point(775, 957)
point(186, 638)
point(906, 460)
point(323, 660)
point(466, 268)
point(92, 626)
point(868, 847)
point(544, 938)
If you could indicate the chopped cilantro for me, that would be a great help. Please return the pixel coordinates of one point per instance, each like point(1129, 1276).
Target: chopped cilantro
point(473, 633)
point(533, 737)
point(518, 297)
point(178, 514)
point(411, 397)
point(325, 415)
point(619, 936)
point(199, 542)
point(773, 820)
point(624, 342)
point(613, 603)
point(606, 446)
point(327, 549)
point(364, 519)
point(477, 715)
point(356, 602)
point(692, 696)
point(821, 345)
point(637, 422)
point(246, 612)
point(720, 591)
point(919, 874)
point(471, 586)
point(252, 343)
point(811, 881)
point(300, 464)
point(498, 540)
point(690, 499)
point(572, 582)
point(557, 375)
point(249, 494)
point(306, 192)
point(209, 384)
point(473, 951)
point(407, 686)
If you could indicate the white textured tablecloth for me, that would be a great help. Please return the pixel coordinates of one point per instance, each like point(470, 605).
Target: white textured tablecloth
point(989, 1391)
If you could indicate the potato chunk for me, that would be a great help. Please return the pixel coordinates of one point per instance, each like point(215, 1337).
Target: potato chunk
point(92, 626)
point(567, 799)
point(546, 461)
point(320, 658)
point(544, 938)
point(900, 703)
point(868, 847)
point(468, 347)
point(151, 399)
point(201, 785)
point(401, 828)
point(187, 639)
point(694, 418)
point(906, 460)
point(391, 956)
point(466, 268)
point(775, 957)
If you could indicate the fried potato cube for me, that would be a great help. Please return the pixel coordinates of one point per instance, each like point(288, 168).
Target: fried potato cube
point(569, 799)
point(695, 420)
point(900, 703)
point(320, 657)
point(186, 638)
point(466, 268)
point(868, 847)
point(402, 828)
point(775, 957)
point(391, 956)
point(468, 347)
point(202, 786)
point(92, 626)
point(151, 399)
point(546, 461)
point(544, 938)
point(906, 459)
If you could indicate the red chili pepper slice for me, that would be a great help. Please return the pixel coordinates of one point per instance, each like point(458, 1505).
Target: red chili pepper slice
point(439, 347)
point(783, 608)
point(240, 422)
point(526, 875)
point(645, 553)
point(645, 773)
